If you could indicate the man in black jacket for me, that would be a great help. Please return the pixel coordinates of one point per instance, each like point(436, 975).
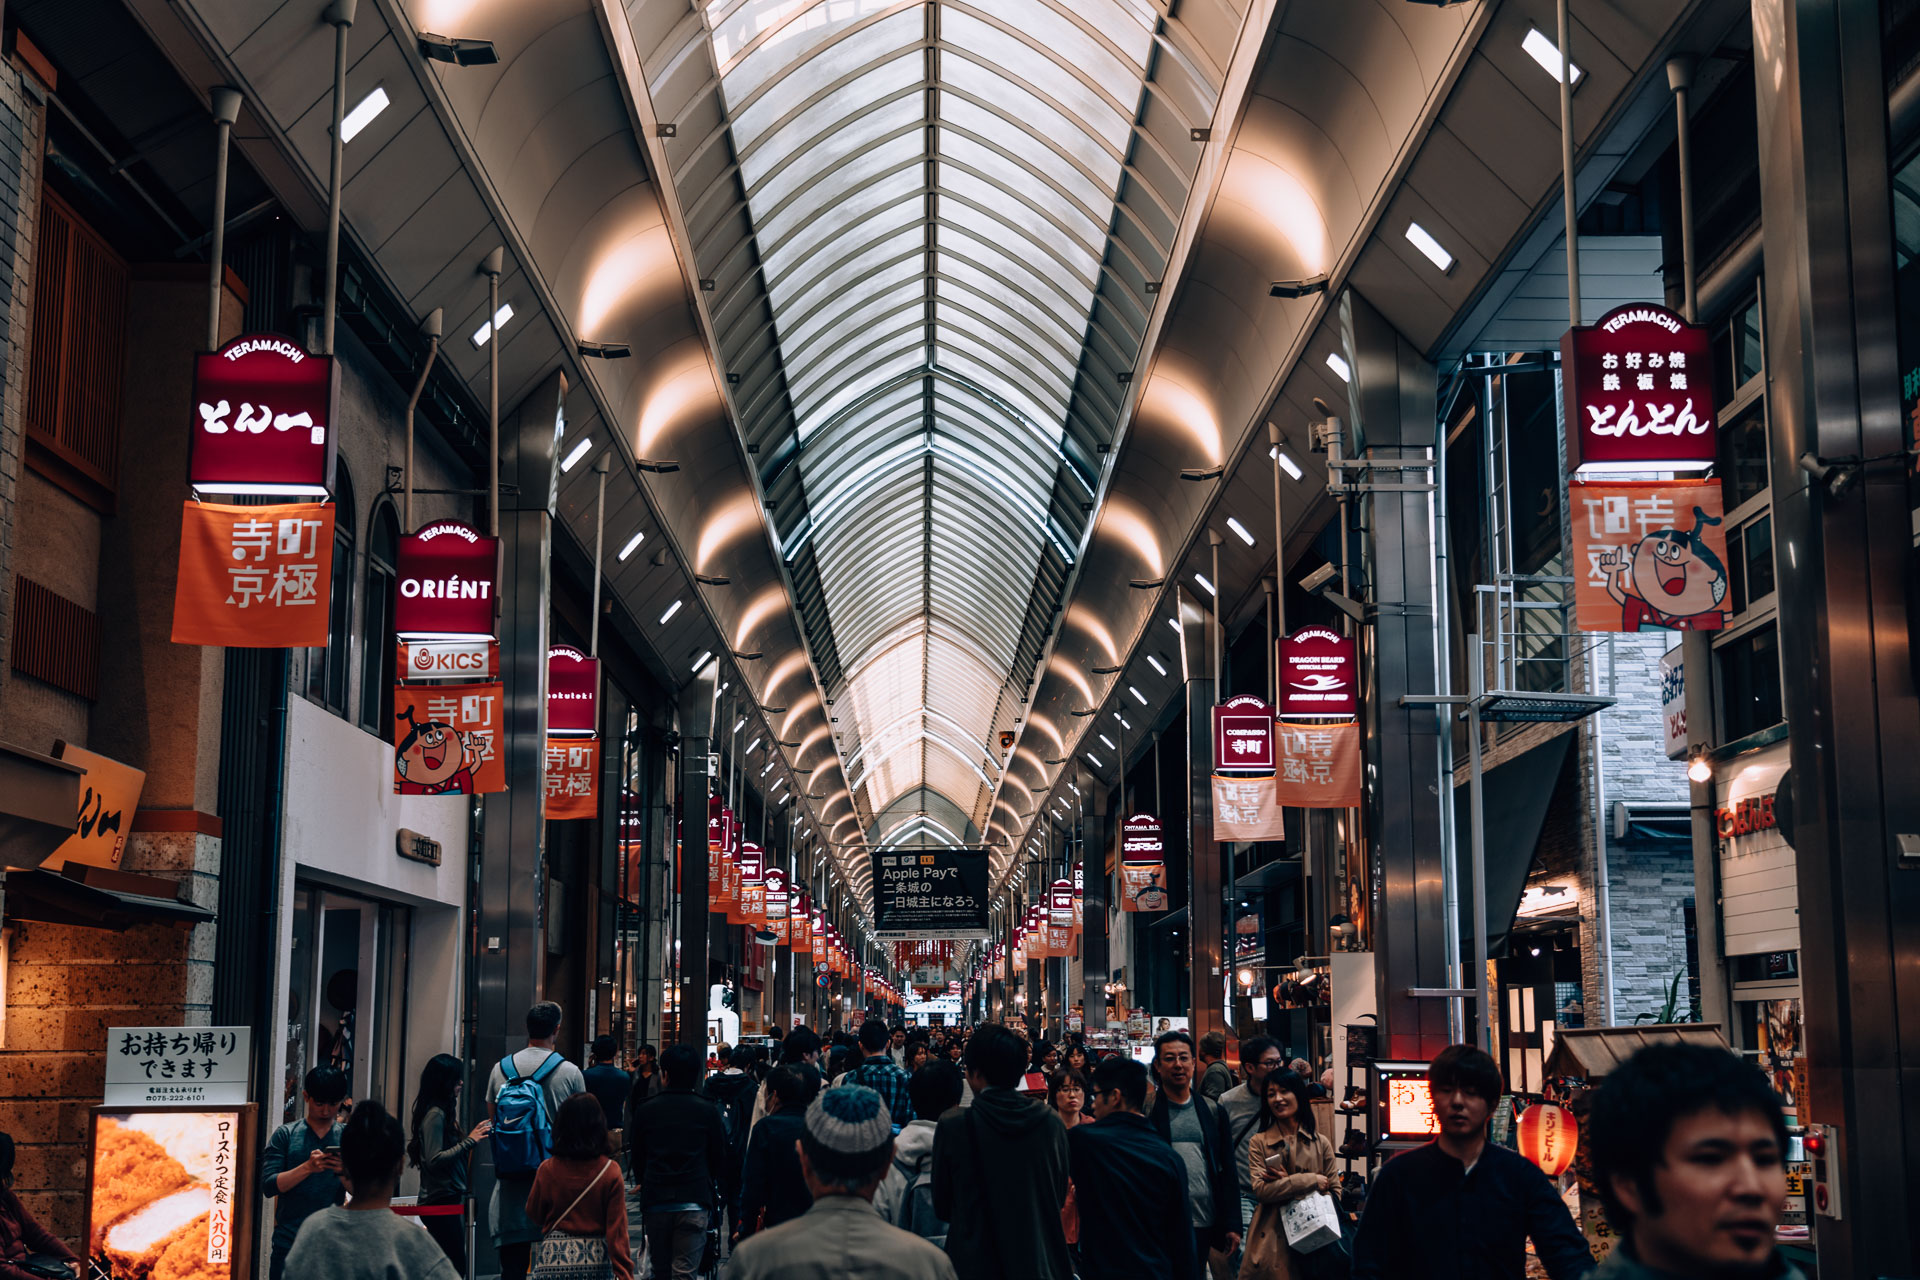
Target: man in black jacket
point(679, 1145)
point(772, 1188)
point(732, 1089)
point(1198, 1132)
point(1000, 1171)
point(1130, 1188)
point(1461, 1208)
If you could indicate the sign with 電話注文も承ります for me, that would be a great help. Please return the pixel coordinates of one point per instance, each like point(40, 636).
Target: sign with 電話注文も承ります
point(1638, 393)
point(263, 419)
point(444, 589)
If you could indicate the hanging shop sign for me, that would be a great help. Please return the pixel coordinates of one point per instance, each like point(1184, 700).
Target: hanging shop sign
point(930, 893)
point(777, 913)
point(801, 931)
point(1143, 867)
point(1549, 1135)
point(1319, 766)
point(109, 795)
point(1404, 1108)
point(1639, 393)
point(1246, 809)
point(1079, 896)
point(1059, 919)
point(1243, 736)
point(263, 419)
point(819, 932)
point(170, 1191)
point(446, 739)
point(1652, 555)
point(572, 778)
point(1318, 675)
point(254, 577)
point(448, 660)
point(445, 586)
point(573, 693)
point(178, 1066)
point(1673, 703)
point(719, 825)
point(753, 885)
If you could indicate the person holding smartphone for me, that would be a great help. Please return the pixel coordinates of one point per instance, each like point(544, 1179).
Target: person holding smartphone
point(301, 1167)
point(1288, 1159)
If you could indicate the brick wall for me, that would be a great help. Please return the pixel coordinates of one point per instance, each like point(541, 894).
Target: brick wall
point(22, 132)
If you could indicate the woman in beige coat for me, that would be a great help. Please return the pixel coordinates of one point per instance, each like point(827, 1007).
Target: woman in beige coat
point(1288, 1160)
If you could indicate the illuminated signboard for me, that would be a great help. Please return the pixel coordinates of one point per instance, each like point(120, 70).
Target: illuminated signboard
point(445, 586)
point(263, 419)
point(1639, 393)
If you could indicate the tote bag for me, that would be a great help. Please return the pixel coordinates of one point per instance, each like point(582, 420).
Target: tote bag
point(561, 1256)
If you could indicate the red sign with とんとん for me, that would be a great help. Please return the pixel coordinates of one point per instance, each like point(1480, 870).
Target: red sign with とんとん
point(1638, 393)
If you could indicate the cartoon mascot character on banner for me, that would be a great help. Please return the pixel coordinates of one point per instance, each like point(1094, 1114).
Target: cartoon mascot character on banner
point(436, 759)
point(1669, 580)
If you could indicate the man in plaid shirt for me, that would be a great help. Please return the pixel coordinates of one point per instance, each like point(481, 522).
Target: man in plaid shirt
point(877, 1072)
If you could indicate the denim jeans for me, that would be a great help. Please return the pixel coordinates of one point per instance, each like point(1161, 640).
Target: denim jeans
point(676, 1241)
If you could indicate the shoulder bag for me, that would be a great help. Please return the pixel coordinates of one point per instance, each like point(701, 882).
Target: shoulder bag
point(560, 1255)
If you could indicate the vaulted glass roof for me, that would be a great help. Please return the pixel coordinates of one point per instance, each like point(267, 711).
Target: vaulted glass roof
point(935, 191)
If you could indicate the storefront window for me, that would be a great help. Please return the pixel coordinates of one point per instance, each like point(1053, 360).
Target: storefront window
point(1750, 564)
point(1906, 287)
point(1750, 682)
point(376, 624)
point(1743, 458)
point(346, 1002)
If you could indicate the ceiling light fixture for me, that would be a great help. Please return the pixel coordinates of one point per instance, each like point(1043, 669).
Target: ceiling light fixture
point(1201, 578)
point(1543, 50)
point(363, 113)
point(1341, 369)
point(1109, 741)
point(701, 661)
point(1422, 239)
point(499, 321)
point(457, 51)
point(1175, 624)
point(633, 544)
point(1123, 722)
point(576, 453)
point(756, 745)
point(1239, 530)
point(671, 610)
point(739, 724)
point(1287, 464)
point(1137, 694)
point(605, 350)
point(1155, 664)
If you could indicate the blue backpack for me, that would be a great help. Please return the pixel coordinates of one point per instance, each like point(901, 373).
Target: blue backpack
point(522, 1130)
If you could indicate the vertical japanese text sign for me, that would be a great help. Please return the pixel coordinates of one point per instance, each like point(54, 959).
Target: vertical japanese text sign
point(572, 778)
point(447, 739)
point(1649, 555)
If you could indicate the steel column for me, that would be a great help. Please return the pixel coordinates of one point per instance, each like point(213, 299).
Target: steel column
point(1096, 966)
point(1206, 963)
point(695, 936)
point(1845, 648)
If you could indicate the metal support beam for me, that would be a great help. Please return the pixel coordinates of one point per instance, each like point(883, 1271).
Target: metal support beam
point(695, 937)
point(1205, 930)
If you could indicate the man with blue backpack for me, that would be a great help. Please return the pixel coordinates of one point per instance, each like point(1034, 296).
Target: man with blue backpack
point(523, 1096)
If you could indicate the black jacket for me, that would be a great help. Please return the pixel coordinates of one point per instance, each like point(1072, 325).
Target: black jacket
point(1217, 1147)
point(771, 1179)
point(732, 1092)
point(999, 1182)
point(1131, 1190)
point(1428, 1216)
point(679, 1147)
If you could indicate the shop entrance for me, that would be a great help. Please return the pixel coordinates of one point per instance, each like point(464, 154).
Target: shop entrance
point(347, 1004)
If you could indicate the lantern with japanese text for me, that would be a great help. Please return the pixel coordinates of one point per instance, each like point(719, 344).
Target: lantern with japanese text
point(1549, 1136)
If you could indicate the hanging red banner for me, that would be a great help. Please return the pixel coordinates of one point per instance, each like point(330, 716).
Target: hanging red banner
point(1638, 393)
point(572, 779)
point(1243, 736)
point(730, 886)
point(263, 416)
point(573, 693)
point(1651, 556)
point(1319, 766)
point(444, 584)
point(446, 739)
point(777, 905)
point(1143, 870)
point(800, 925)
point(1318, 675)
point(753, 886)
point(254, 577)
point(1246, 809)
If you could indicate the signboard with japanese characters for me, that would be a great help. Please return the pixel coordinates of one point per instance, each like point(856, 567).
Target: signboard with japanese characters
point(572, 778)
point(753, 885)
point(800, 925)
point(930, 893)
point(1246, 809)
point(1143, 868)
point(178, 1066)
point(254, 577)
point(1649, 555)
point(447, 739)
point(1318, 675)
point(1673, 703)
point(777, 913)
point(170, 1191)
point(1243, 736)
point(1319, 766)
point(109, 794)
point(457, 660)
point(444, 589)
point(573, 693)
point(1638, 393)
point(263, 419)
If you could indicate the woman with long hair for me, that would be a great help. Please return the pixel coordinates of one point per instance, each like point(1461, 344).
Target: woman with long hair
point(441, 1155)
point(1288, 1159)
point(917, 1055)
point(579, 1200)
point(365, 1239)
point(1077, 1059)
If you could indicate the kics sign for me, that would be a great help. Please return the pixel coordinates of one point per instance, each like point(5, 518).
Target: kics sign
point(1317, 675)
point(263, 419)
point(1639, 393)
point(573, 693)
point(448, 660)
point(1243, 736)
point(446, 581)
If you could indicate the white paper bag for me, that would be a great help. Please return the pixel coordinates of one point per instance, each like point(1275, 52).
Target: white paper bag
point(1312, 1222)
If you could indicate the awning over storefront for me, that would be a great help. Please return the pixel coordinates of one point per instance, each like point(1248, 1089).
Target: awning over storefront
point(1591, 1052)
point(38, 799)
point(95, 898)
point(1517, 795)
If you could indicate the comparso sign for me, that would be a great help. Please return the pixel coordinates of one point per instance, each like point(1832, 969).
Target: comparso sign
point(1243, 736)
point(1317, 675)
point(573, 693)
point(263, 418)
point(445, 589)
point(930, 893)
point(1639, 393)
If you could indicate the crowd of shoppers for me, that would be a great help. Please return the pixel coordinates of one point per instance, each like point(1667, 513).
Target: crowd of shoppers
point(952, 1171)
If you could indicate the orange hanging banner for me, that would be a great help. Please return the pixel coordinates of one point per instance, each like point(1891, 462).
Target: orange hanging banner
point(1246, 809)
point(1649, 555)
point(1319, 766)
point(254, 577)
point(446, 739)
point(572, 778)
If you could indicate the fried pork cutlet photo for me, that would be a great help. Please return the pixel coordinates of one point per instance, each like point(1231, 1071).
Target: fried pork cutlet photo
point(130, 1170)
point(152, 1197)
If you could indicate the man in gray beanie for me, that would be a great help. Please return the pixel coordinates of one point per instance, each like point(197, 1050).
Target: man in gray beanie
point(844, 1154)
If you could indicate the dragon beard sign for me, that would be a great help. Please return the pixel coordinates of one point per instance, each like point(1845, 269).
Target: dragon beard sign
point(1638, 393)
point(930, 893)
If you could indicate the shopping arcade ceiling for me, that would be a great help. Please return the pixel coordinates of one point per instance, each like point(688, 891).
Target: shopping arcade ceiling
point(1327, 131)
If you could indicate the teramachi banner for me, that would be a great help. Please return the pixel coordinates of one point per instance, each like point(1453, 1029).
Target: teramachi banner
point(573, 693)
point(445, 584)
point(447, 740)
point(1650, 555)
point(1246, 809)
point(572, 778)
point(254, 577)
point(1639, 393)
point(263, 418)
point(1243, 736)
point(1319, 766)
point(1318, 675)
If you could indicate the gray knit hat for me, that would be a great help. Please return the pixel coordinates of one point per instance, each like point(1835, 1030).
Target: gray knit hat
point(847, 1130)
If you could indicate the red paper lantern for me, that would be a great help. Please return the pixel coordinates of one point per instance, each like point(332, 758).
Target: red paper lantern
point(1549, 1135)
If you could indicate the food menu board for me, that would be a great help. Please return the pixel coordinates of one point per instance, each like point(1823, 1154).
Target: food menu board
point(170, 1193)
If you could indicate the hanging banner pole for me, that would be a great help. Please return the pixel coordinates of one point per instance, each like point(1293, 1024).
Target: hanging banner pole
point(490, 266)
point(226, 110)
point(340, 15)
point(431, 327)
point(601, 466)
point(1566, 170)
